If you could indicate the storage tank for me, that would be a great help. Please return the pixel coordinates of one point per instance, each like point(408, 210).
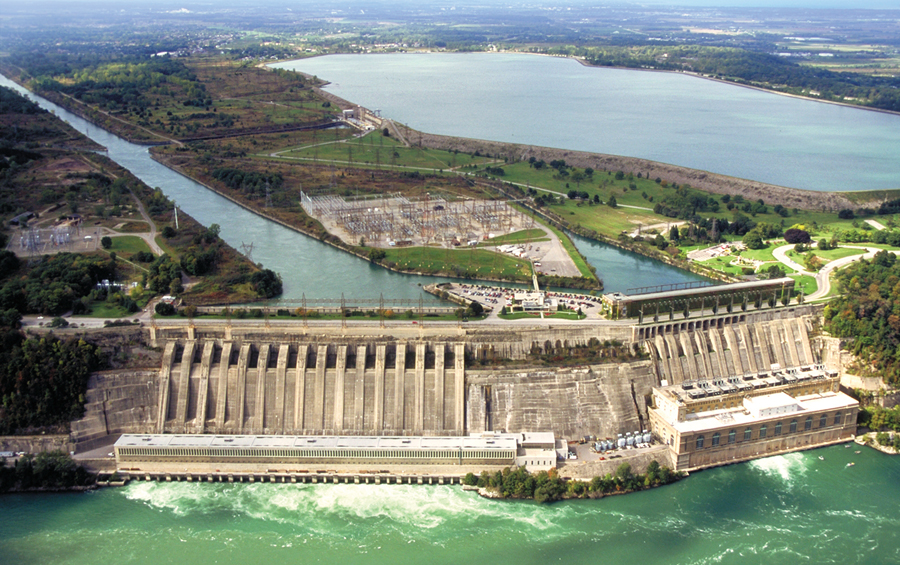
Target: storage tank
point(621, 442)
point(647, 437)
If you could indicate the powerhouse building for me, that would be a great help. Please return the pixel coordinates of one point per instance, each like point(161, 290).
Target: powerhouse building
point(714, 422)
point(203, 453)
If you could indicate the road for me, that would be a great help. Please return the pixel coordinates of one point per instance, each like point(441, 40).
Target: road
point(823, 276)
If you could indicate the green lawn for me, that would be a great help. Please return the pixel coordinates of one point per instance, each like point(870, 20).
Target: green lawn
point(106, 309)
point(805, 283)
point(565, 315)
point(477, 262)
point(723, 264)
point(760, 254)
point(524, 236)
point(838, 253)
point(128, 245)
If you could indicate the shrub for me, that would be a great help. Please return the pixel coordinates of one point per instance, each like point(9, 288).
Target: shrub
point(165, 309)
point(794, 235)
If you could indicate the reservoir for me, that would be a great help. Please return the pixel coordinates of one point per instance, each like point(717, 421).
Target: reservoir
point(668, 117)
point(312, 268)
point(786, 509)
point(781, 510)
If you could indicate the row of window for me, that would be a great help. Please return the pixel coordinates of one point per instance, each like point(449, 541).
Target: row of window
point(764, 430)
point(313, 453)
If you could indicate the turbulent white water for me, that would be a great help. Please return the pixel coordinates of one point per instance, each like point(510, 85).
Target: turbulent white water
point(780, 510)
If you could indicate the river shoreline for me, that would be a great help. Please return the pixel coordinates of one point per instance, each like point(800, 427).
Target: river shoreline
point(702, 180)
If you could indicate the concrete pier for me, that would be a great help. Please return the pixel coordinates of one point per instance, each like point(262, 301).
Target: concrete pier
point(259, 407)
point(318, 407)
point(300, 388)
point(339, 385)
point(419, 387)
point(399, 386)
point(238, 412)
point(359, 389)
point(203, 397)
point(277, 421)
point(165, 374)
point(378, 419)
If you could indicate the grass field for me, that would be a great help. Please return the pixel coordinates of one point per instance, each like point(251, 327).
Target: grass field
point(805, 283)
point(377, 150)
point(128, 245)
point(566, 315)
point(524, 236)
point(473, 261)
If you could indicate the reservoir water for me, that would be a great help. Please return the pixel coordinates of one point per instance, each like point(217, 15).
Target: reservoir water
point(782, 510)
point(308, 266)
point(667, 117)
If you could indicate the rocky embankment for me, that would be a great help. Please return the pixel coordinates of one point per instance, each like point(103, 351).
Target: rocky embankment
point(703, 180)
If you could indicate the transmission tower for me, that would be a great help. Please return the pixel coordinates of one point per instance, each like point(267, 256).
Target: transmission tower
point(247, 250)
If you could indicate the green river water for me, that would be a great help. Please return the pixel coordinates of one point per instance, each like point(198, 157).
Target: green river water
point(786, 509)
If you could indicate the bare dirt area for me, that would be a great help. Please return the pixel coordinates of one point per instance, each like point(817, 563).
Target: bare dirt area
point(703, 180)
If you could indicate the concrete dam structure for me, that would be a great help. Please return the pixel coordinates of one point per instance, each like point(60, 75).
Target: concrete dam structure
point(444, 381)
point(718, 350)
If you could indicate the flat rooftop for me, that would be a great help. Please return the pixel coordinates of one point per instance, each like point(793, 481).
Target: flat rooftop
point(495, 442)
point(716, 419)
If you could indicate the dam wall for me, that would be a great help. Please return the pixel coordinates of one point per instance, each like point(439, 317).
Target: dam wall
point(117, 402)
point(715, 351)
point(602, 400)
point(319, 388)
point(441, 379)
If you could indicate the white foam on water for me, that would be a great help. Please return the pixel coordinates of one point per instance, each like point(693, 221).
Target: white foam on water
point(787, 467)
point(318, 509)
point(180, 498)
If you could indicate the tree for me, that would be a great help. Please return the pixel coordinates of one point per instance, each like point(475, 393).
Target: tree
point(106, 242)
point(612, 202)
point(772, 272)
point(794, 235)
point(673, 233)
point(753, 240)
point(164, 309)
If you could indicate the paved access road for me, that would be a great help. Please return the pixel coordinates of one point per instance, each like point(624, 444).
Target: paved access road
point(823, 276)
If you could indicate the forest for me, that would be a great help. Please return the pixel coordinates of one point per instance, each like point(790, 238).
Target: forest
point(43, 379)
point(868, 313)
point(748, 67)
